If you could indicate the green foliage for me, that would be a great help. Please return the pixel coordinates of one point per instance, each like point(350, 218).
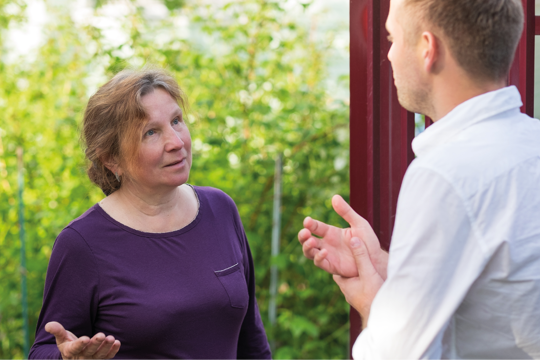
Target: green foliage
point(10, 10)
point(254, 80)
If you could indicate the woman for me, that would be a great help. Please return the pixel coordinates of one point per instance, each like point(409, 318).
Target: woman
point(159, 268)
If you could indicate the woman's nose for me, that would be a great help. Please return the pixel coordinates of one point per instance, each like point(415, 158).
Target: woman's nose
point(173, 140)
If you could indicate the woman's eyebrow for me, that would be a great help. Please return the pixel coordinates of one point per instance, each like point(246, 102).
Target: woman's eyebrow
point(150, 124)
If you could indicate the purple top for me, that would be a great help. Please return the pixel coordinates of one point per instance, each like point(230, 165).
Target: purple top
point(189, 293)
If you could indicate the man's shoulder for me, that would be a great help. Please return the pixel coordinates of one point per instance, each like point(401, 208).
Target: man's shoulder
point(486, 152)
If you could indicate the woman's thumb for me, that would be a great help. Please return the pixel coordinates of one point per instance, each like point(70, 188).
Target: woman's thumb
point(58, 331)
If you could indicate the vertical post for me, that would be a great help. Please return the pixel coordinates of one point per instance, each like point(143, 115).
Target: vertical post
point(276, 228)
point(381, 130)
point(522, 71)
point(20, 169)
point(361, 125)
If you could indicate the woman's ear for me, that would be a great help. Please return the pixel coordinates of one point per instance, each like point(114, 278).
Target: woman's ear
point(112, 164)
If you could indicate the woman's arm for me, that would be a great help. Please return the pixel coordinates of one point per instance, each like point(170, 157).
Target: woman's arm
point(70, 299)
point(252, 342)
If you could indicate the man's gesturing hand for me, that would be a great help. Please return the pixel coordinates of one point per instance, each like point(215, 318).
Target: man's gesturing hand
point(360, 291)
point(331, 252)
point(71, 347)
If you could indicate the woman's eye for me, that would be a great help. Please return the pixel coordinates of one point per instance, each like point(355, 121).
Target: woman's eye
point(150, 133)
point(176, 121)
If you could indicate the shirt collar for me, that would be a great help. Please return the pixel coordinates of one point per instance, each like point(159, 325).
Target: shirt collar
point(466, 114)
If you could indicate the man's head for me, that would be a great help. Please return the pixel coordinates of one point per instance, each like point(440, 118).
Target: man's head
point(479, 36)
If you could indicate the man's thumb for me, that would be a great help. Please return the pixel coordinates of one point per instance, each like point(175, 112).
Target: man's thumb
point(361, 256)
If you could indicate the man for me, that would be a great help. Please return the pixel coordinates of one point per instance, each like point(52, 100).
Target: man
point(462, 279)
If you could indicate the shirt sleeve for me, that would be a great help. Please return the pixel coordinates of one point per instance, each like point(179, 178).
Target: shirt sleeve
point(252, 342)
point(435, 257)
point(71, 293)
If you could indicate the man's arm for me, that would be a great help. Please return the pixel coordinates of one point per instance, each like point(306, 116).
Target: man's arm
point(435, 257)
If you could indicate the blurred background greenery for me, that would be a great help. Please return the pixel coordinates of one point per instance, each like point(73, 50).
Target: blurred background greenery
point(261, 78)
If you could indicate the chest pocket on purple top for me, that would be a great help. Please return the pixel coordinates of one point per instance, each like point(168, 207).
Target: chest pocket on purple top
point(234, 282)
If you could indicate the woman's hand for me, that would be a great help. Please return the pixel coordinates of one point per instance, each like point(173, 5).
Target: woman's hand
point(71, 347)
point(331, 252)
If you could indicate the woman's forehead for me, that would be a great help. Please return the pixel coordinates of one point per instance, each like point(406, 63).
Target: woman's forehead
point(160, 102)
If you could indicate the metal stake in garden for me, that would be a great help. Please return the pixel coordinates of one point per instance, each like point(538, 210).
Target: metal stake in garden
point(276, 227)
point(20, 169)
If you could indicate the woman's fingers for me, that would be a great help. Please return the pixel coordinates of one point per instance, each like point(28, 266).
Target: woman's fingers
point(68, 343)
point(59, 332)
point(114, 349)
point(104, 349)
point(100, 346)
point(93, 345)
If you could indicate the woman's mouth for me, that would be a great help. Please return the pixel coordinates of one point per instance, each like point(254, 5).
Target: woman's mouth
point(176, 163)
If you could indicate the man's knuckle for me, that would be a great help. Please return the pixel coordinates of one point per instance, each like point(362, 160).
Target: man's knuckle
point(361, 252)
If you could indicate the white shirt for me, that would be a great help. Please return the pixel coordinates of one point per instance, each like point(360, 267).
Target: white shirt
point(464, 267)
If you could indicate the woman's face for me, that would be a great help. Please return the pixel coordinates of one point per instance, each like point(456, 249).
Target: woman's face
point(164, 157)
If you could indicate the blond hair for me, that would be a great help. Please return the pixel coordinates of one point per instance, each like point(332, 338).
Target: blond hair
point(482, 34)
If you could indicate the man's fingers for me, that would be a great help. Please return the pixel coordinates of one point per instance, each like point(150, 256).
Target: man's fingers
point(303, 235)
point(319, 258)
point(316, 227)
point(361, 256)
point(342, 283)
point(310, 249)
point(346, 212)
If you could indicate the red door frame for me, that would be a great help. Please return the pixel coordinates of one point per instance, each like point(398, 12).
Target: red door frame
point(381, 131)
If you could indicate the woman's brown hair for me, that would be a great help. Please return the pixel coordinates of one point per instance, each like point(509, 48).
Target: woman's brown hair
point(114, 119)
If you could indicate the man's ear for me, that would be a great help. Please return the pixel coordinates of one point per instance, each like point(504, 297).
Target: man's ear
point(433, 53)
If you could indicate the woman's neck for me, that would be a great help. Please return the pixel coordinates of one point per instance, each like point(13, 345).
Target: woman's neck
point(152, 212)
point(149, 203)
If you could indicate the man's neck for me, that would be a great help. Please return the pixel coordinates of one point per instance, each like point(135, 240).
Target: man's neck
point(447, 94)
